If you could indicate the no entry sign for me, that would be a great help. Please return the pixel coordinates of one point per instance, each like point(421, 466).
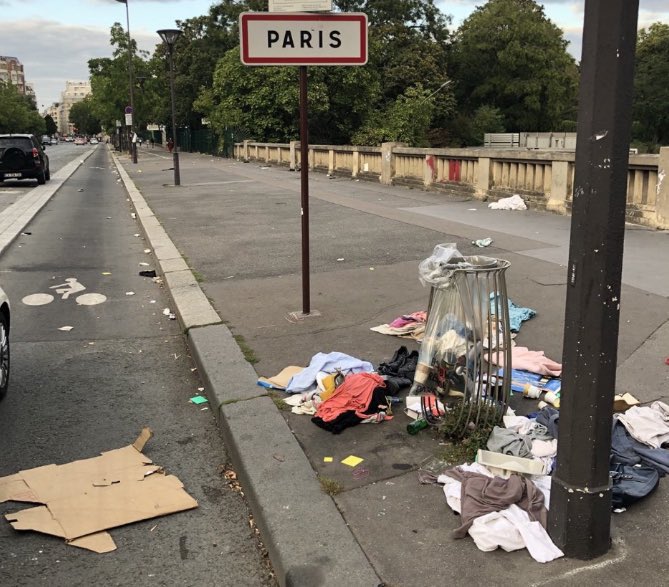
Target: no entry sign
point(303, 39)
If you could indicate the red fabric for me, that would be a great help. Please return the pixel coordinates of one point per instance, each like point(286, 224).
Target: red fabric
point(354, 394)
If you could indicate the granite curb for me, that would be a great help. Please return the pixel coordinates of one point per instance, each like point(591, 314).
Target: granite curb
point(307, 538)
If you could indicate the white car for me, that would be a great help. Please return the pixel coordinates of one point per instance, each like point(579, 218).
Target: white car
point(4, 343)
point(94, 141)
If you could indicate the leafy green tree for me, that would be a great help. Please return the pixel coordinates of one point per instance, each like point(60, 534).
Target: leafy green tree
point(18, 112)
point(110, 84)
point(469, 130)
point(83, 118)
point(651, 87)
point(508, 55)
point(51, 126)
point(406, 120)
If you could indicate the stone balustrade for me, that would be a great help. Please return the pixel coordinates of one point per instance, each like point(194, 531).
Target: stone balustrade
point(544, 179)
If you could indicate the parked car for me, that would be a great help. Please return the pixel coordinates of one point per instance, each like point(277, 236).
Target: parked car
point(54, 141)
point(4, 343)
point(46, 140)
point(22, 157)
point(94, 141)
point(80, 141)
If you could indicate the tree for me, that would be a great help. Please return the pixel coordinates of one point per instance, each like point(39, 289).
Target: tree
point(509, 56)
point(51, 126)
point(18, 112)
point(651, 100)
point(83, 118)
point(110, 84)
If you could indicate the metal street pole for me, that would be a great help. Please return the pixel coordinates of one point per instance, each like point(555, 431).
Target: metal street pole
point(304, 190)
point(133, 145)
point(169, 37)
point(175, 154)
point(580, 513)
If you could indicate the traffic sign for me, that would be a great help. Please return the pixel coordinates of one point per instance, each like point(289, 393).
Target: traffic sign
point(303, 39)
point(128, 109)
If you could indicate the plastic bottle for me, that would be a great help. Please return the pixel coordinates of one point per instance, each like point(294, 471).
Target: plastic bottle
point(553, 399)
point(416, 426)
point(531, 391)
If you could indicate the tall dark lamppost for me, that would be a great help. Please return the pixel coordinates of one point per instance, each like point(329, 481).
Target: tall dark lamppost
point(169, 37)
point(133, 145)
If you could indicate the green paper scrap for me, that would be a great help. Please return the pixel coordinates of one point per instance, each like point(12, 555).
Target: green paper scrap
point(198, 399)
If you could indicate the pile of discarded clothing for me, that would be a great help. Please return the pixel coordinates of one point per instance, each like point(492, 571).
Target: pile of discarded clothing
point(341, 391)
point(503, 497)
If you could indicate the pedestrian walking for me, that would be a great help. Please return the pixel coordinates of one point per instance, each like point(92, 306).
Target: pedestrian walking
point(170, 144)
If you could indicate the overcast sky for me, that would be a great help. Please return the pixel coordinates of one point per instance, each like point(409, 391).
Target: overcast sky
point(54, 39)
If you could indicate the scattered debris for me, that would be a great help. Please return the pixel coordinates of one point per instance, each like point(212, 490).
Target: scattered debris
point(482, 242)
point(198, 399)
point(352, 461)
point(79, 501)
point(167, 312)
point(66, 328)
point(130, 293)
point(148, 273)
point(26, 233)
point(147, 250)
point(80, 190)
point(514, 202)
point(133, 215)
point(340, 259)
point(106, 273)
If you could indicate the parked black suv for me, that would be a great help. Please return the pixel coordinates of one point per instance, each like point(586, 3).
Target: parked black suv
point(22, 157)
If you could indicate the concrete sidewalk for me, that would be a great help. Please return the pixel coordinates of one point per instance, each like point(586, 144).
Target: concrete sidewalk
point(228, 244)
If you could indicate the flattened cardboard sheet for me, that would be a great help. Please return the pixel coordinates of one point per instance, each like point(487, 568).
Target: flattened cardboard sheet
point(84, 498)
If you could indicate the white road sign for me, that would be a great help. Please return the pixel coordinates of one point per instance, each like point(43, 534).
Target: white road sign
point(303, 39)
point(300, 6)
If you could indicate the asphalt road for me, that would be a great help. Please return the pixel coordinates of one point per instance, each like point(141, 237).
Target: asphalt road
point(122, 366)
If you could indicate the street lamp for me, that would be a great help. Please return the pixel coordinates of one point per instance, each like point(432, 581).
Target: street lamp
point(169, 37)
point(133, 145)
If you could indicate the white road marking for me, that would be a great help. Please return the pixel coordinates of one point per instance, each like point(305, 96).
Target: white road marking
point(91, 299)
point(38, 299)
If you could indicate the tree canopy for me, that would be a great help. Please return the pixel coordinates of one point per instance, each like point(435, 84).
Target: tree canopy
point(651, 101)
point(83, 118)
point(509, 56)
point(18, 112)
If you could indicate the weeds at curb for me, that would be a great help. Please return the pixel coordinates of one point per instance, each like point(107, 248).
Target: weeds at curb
point(249, 353)
point(330, 486)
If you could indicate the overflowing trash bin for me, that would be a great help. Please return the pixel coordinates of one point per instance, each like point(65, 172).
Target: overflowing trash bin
point(467, 335)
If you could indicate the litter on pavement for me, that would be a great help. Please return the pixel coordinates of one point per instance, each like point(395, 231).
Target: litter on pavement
point(81, 500)
point(514, 202)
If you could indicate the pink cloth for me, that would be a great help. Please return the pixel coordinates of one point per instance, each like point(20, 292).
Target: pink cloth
point(354, 394)
point(409, 319)
point(533, 361)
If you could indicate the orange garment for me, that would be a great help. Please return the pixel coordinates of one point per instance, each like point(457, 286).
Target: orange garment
point(354, 394)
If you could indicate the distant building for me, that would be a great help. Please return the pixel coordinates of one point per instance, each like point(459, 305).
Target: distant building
point(74, 92)
point(54, 112)
point(11, 70)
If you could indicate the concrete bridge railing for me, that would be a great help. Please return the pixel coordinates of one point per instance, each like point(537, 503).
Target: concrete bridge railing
point(544, 178)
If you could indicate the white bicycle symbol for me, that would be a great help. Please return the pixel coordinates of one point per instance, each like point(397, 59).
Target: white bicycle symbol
point(70, 287)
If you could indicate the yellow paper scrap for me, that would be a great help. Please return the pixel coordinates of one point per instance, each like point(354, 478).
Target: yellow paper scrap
point(327, 459)
point(352, 461)
point(106, 273)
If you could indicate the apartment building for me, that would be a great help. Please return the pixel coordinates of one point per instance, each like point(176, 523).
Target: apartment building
point(11, 70)
point(74, 92)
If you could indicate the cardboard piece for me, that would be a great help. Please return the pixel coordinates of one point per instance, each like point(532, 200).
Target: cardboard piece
point(280, 380)
point(621, 403)
point(82, 499)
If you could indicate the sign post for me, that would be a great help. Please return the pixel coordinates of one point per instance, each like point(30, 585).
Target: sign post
point(279, 38)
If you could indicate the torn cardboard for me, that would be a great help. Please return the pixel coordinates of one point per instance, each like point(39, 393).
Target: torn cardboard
point(80, 500)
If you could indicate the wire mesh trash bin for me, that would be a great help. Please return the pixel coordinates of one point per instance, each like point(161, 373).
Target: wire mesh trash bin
point(467, 335)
